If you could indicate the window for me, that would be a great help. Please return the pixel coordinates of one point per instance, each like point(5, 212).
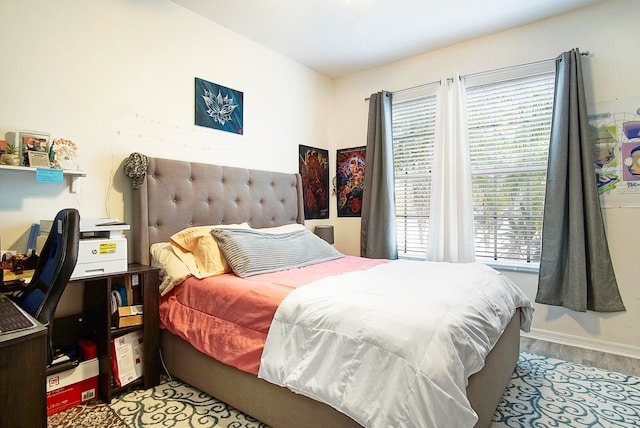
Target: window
point(413, 138)
point(509, 122)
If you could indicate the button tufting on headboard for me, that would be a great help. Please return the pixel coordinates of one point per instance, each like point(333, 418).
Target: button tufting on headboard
point(174, 200)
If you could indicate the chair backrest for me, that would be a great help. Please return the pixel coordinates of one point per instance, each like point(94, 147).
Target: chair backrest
point(54, 267)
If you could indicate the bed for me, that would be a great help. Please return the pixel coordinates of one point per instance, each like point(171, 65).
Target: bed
point(171, 196)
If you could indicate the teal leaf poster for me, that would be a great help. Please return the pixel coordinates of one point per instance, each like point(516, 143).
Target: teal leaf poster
point(218, 107)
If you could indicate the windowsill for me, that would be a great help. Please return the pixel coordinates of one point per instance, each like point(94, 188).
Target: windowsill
point(512, 266)
point(498, 265)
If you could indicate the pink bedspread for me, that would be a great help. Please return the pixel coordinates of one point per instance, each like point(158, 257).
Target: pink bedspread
point(228, 318)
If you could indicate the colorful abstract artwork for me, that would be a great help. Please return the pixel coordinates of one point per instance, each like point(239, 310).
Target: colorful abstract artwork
point(615, 132)
point(350, 164)
point(218, 107)
point(314, 169)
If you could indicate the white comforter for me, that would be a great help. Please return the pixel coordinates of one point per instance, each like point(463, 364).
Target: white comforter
point(392, 346)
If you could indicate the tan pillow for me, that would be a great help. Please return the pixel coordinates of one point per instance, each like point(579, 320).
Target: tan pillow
point(198, 250)
point(172, 270)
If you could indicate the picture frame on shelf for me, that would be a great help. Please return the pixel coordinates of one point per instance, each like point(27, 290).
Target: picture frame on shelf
point(28, 141)
point(39, 159)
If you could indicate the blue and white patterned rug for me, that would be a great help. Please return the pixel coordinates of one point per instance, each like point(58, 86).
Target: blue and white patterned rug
point(544, 392)
point(174, 404)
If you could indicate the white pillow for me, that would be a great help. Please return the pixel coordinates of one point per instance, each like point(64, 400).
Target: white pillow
point(172, 271)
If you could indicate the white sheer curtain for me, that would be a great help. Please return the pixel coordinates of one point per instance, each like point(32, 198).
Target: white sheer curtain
point(451, 231)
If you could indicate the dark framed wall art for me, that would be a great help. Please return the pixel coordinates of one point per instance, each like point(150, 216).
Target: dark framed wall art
point(350, 165)
point(32, 141)
point(218, 107)
point(314, 169)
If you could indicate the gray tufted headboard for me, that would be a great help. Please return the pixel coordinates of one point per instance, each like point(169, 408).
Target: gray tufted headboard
point(177, 194)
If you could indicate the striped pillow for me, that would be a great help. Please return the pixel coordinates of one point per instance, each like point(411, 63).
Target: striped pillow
point(249, 252)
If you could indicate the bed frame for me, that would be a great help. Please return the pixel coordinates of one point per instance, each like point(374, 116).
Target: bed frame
point(178, 194)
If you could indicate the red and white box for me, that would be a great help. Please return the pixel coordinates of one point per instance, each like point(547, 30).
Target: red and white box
point(72, 387)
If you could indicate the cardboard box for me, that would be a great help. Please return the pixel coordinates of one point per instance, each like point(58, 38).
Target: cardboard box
point(72, 387)
point(126, 316)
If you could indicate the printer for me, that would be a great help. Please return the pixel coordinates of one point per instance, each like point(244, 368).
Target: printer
point(102, 248)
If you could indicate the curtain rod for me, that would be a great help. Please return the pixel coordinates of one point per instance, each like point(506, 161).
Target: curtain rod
point(480, 73)
point(515, 67)
point(399, 91)
point(512, 67)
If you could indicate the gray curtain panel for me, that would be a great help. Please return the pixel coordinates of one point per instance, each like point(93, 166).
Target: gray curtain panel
point(378, 223)
point(575, 267)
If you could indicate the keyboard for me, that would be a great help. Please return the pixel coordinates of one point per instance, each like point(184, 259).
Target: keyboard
point(12, 318)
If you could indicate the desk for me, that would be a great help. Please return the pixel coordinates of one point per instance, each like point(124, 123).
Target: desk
point(25, 276)
point(23, 363)
point(12, 282)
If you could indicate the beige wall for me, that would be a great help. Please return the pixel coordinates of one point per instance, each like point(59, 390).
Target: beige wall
point(609, 32)
point(117, 77)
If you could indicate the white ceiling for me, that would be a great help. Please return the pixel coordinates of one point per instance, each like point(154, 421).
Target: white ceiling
point(338, 37)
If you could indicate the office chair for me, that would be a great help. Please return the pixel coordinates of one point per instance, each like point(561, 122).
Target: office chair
point(53, 271)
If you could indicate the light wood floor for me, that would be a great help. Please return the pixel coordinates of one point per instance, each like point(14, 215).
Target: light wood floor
point(587, 357)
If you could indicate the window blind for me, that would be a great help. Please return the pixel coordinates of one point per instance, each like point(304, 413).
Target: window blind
point(509, 124)
point(413, 139)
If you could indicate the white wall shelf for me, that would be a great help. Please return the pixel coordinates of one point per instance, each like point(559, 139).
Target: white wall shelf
point(71, 174)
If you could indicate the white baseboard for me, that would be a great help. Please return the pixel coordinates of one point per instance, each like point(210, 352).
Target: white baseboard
point(585, 343)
